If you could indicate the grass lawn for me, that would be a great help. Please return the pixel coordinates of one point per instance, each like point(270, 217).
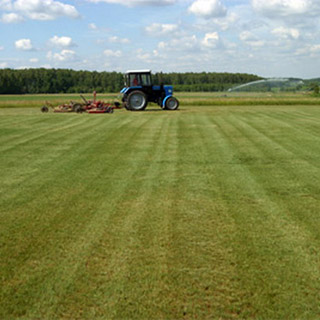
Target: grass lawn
point(203, 213)
point(189, 99)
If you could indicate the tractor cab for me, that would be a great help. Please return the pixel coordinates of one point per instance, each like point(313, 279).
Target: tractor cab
point(138, 78)
point(139, 91)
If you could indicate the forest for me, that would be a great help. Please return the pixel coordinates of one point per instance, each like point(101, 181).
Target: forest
point(33, 81)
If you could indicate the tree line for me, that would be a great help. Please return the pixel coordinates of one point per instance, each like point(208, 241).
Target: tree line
point(32, 81)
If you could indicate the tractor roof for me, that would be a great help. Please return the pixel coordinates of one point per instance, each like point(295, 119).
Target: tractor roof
point(138, 71)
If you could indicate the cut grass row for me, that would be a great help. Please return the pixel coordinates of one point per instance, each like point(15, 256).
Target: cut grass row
point(201, 213)
point(38, 100)
point(186, 99)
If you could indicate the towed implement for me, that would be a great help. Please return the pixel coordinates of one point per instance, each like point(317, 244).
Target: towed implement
point(89, 106)
point(62, 108)
point(97, 106)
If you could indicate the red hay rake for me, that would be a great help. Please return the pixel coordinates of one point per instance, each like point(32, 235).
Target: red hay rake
point(89, 106)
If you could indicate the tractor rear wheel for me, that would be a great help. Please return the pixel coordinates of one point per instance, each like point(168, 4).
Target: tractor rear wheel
point(137, 101)
point(172, 104)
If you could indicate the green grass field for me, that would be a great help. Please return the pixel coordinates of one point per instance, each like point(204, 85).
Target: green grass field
point(186, 99)
point(202, 213)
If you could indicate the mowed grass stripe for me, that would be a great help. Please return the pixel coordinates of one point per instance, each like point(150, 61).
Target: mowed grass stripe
point(251, 206)
point(286, 180)
point(62, 216)
point(269, 241)
point(24, 159)
point(57, 185)
point(16, 119)
point(34, 134)
point(281, 138)
point(288, 144)
point(35, 128)
point(124, 237)
point(200, 213)
point(12, 131)
point(299, 131)
point(291, 175)
point(98, 225)
point(125, 265)
point(25, 162)
point(294, 126)
point(305, 116)
point(203, 268)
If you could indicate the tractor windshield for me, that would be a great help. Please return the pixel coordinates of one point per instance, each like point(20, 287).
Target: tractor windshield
point(138, 79)
point(146, 79)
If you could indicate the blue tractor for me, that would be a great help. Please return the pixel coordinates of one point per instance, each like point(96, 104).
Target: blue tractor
point(139, 90)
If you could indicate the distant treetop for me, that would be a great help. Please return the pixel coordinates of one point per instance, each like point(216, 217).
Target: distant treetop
point(70, 81)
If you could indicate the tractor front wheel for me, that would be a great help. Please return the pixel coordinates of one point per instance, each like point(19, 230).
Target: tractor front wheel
point(137, 101)
point(172, 104)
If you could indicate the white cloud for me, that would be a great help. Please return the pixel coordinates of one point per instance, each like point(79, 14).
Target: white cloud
point(24, 44)
point(257, 43)
point(189, 52)
point(45, 9)
point(287, 8)
point(1, 48)
point(140, 54)
point(211, 40)
point(49, 55)
point(112, 53)
point(309, 50)
point(181, 44)
point(92, 26)
point(286, 33)
point(208, 8)
point(64, 42)
point(227, 22)
point(46, 66)
point(315, 48)
point(158, 29)
point(22, 67)
point(5, 5)
point(64, 55)
point(115, 39)
point(250, 39)
point(134, 3)
point(34, 60)
point(247, 36)
point(11, 18)
point(162, 45)
point(3, 65)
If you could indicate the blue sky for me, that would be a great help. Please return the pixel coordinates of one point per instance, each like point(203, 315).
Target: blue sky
point(274, 38)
